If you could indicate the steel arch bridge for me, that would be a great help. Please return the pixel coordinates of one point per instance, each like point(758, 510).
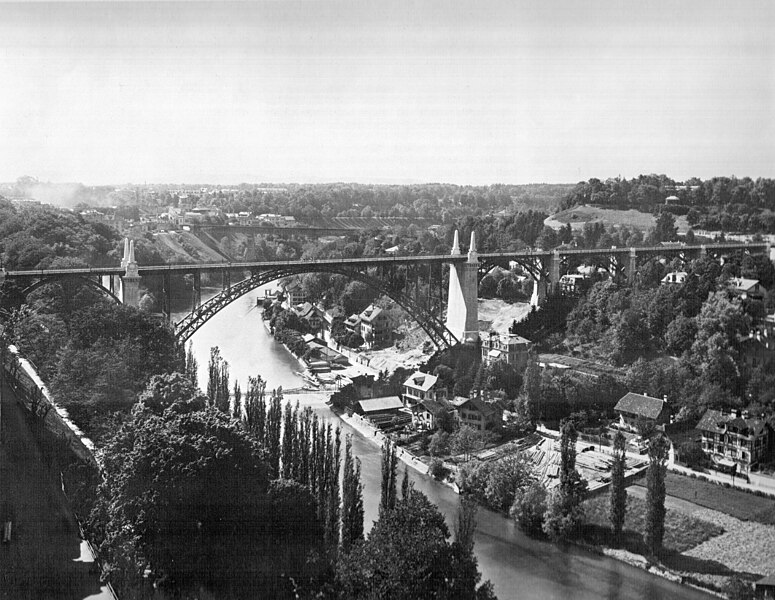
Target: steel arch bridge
point(92, 283)
point(430, 322)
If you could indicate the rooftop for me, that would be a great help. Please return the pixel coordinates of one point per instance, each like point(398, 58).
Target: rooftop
point(643, 406)
point(421, 381)
point(379, 404)
point(718, 421)
point(742, 284)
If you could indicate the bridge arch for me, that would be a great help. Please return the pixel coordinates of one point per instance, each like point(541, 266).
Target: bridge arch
point(430, 323)
point(54, 279)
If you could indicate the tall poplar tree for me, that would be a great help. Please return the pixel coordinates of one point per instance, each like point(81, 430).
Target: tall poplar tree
point(655, 493)
point(333, 497)
point(191, 365)
point(272, 433)
point(565, 511)
point(236, 406)
point(618, 498)
point(389, 468)
point(352, 499)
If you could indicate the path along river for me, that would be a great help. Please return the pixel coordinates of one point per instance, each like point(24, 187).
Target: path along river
point(518, 566)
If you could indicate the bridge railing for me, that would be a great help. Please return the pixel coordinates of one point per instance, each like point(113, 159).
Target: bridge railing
point(385, 260)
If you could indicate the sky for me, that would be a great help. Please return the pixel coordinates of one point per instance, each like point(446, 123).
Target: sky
point(403, 91)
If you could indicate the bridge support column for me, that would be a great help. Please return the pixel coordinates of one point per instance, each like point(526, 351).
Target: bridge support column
point(535, 298)
point(166, 293)
point(250, 248)
point(130, 280)
point(462, 303)
point(197, 289)
point(632, 266)
point(550, 276)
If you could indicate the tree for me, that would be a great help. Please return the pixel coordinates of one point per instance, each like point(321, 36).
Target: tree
point(439, 444)
point(218, 380)
point(565, 511)
point(618, 494)
point(507, 476)
point(692, 455)
point(467, 440)
point(183, 492)
point(191, 366)
point(407, 556)
point(488, 286)
point(654, 527)
point(173, 391)
point(529, 508)
point(664, 229)
point(389, 466)
point(531, 391)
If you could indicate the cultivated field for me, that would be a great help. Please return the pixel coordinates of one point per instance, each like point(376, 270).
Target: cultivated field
point(737, 504)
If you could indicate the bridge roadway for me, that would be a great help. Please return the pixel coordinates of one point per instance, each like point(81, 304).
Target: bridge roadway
point(484, 257)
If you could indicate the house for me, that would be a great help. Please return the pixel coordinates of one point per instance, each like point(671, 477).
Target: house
point(427, 414)
point(478, 413)
point(735, 440)
point(675, 278)
point(508, 347)
point(330, 316)
point(635, 409)
point(375, 325)
point(353, 324)
point(573, 283)
point(294, 293)
point(747, 288)
point(422, 386)
point(321, 358)
point(310, 314)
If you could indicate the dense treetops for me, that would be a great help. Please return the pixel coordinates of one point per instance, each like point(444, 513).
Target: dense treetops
point(725, 203)
point(37, 237)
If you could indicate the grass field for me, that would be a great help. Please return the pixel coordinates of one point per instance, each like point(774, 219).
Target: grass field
point(578, 215)
point(682, 531)
point(738, 504)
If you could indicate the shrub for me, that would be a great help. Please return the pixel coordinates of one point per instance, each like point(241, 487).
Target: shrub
point(437, 469)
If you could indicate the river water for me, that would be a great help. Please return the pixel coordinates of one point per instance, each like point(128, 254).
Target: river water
point(518, 566)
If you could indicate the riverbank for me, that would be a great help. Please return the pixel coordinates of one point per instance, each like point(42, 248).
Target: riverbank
point(518, 566)
point(376, 437)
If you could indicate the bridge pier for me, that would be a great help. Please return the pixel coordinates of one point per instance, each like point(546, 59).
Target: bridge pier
point(632, 266)
point(463, 301)
point(130, 280)
point(250, 247)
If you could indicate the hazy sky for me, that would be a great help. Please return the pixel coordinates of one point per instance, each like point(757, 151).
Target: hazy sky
point(388, 91)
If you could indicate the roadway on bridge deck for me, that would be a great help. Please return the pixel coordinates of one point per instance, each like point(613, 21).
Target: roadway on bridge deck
point(46, 557)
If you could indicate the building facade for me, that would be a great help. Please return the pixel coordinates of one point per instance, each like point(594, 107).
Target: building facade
point(635, 410)
point(735, 440)
point(422, 386)
point(508, 347)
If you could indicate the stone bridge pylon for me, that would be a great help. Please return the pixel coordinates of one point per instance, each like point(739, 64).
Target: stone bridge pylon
point(462, 299)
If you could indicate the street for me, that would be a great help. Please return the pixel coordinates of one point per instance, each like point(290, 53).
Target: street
point(45, 557)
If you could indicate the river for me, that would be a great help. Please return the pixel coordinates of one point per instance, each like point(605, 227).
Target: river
point(518, 566)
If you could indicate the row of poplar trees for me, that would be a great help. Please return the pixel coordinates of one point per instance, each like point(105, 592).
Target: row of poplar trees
point(300, 447)
point(654, 526)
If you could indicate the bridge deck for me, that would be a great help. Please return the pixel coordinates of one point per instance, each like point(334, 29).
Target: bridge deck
point(387, 260)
